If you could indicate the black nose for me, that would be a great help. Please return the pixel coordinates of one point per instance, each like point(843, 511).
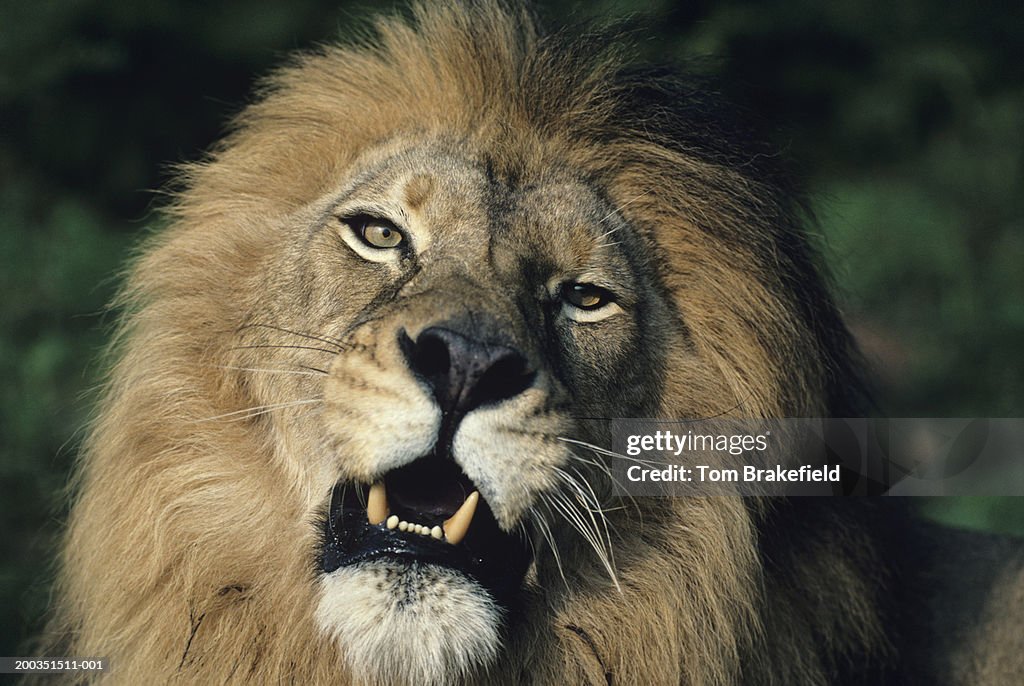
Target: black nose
point(465, 373)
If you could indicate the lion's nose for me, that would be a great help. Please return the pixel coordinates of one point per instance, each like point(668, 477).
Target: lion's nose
point(465, 373)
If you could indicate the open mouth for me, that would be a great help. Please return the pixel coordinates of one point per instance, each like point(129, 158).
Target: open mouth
point(427, 512)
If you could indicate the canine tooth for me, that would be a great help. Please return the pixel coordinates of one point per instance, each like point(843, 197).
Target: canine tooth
point(392, 521)
point(437, 532)
point(403, 526)
point(456, 526)
point(377, 503)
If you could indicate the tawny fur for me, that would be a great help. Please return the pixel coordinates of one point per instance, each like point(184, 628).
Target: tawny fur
point(190, 552)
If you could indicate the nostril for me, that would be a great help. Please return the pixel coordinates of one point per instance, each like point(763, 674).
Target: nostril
point(508, 376)
point(465, 373)
point(430, 355)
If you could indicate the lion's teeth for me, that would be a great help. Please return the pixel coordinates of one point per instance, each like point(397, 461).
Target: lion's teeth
point(453, 530)
point(456, 526)
point(377, 504)
point(393, 522)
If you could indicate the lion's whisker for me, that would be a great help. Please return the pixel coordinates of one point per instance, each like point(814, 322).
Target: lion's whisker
point(545, 529)
point(257, 410)
point(596, 464)
point(601, 545)
point(573, 516)
point(611, 477)
point(312, 369)
point(314, 372)
point(615, 482)
point(609, 453)
point(550, 538)
point(597, 507)
point(322, 338)
point(591, 534)
point(293, 347)
point(570, 508)
point(521, 528)
point(570, 515)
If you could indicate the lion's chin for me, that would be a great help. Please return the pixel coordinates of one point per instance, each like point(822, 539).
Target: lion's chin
point(400, 622)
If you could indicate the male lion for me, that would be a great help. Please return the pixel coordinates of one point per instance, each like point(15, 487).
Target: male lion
point(357, 427)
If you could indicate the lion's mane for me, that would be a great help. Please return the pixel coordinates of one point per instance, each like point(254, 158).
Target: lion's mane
point(188, 552)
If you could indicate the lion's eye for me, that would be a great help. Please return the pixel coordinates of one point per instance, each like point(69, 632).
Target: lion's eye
point(586, 296)
point(378, 233)
point(374, 232)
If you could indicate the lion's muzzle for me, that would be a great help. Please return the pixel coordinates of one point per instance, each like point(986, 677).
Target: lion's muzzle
point(428, 511)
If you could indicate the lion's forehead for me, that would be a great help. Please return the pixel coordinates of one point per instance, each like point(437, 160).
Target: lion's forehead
point(461, 198)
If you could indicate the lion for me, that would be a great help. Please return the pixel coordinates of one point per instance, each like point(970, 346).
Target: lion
point(357, 426)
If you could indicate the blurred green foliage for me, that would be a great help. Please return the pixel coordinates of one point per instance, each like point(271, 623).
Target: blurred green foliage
point(907, 118)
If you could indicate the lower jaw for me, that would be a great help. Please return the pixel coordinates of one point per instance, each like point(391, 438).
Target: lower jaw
point(400, 622)
point(494, 561)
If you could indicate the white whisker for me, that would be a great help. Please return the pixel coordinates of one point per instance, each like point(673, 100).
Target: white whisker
point(615, 482)
point(590, 534)
point(545, 530)
point(602, 545)
point(598, 508)
point(609, 453)
point(271, 371)
point(257, 410)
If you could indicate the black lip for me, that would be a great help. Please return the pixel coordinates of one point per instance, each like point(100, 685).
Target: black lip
point(493, 558)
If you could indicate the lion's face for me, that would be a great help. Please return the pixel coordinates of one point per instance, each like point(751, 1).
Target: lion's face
point(359, 422)
point(461, 330)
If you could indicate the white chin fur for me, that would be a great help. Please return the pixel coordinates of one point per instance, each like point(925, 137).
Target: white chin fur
point(402, 623)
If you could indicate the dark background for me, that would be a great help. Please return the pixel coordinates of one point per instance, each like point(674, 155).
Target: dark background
point(905, 116)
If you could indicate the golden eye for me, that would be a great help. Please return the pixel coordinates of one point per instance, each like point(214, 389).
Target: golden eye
point(586, 296)
point(378, 233)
